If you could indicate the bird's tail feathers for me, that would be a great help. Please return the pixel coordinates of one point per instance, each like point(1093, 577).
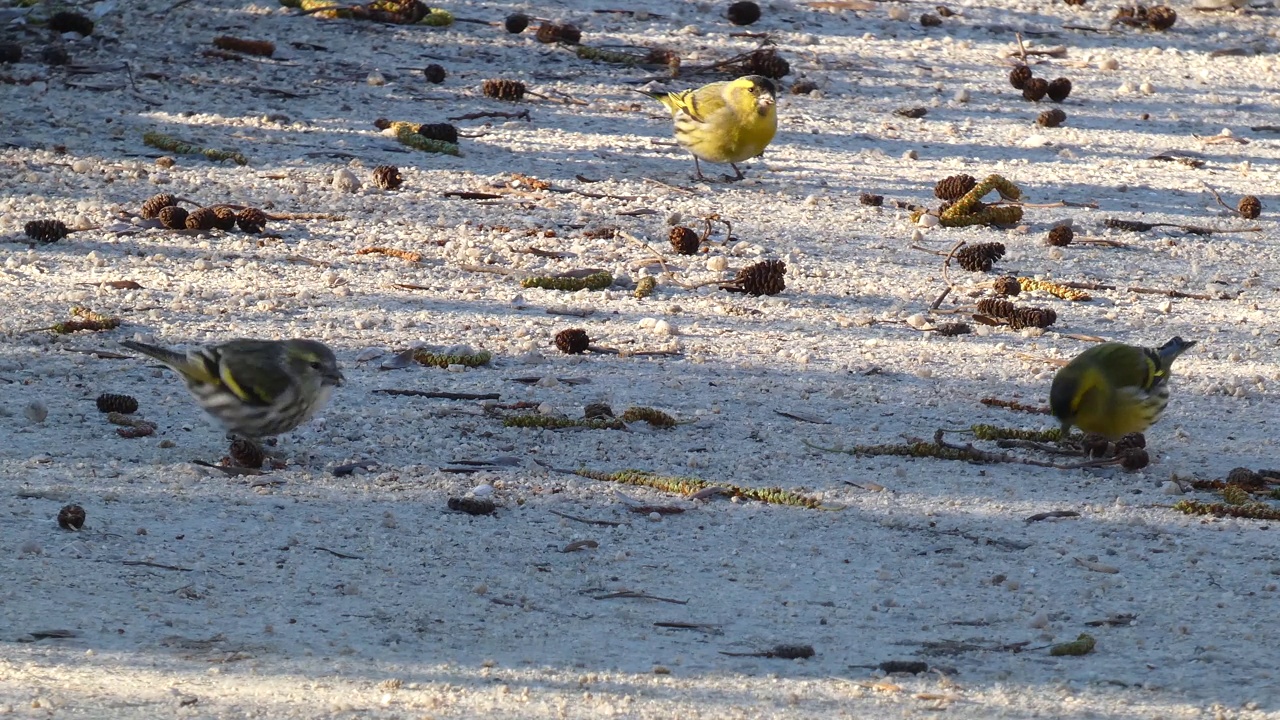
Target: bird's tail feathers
point(164, 355)
point(202, 368)
point(1172, 349)
point(661, 96)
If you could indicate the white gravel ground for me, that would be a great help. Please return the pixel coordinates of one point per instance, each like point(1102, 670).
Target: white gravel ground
point(308, 594)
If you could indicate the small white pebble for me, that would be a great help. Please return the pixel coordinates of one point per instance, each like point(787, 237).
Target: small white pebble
point(911, 155)
point(81, 166)
point(662, 327)
point(917, 321)
point(36, 411)
point(481, 491)
point(655, 516)
point(345, 180)
point(376, 78)
point(1147, 88)
point(927, 221)
point(1170, 487)
point(718, 263)
point(962, 95)
point(1109, 64)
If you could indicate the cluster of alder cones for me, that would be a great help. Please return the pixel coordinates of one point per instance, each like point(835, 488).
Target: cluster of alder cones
point(165, 208)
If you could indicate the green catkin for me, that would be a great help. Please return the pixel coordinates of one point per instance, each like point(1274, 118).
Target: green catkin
point(1252, 511)
point(656, 418)
point(1082, 645)
point(1236, 495)
point(993, 432)
point(550, 422)
point(961, 213)
point(443, 361)
point(437, 18)
point(597, 281)
point(645, 287)
point(407, 134)
point(171, 144)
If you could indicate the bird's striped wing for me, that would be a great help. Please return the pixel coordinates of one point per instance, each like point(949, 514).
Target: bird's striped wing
point(255, 377)
point(698, 104)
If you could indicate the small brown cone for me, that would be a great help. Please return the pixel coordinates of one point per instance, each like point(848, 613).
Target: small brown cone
point(998, 308)
point(154, 204)
point(953, 188)
point(173, 217)
point(510, 90)
point(387, 177)
point(251, 220)
point(444, 132)
point(1035, 89)
point(684, 240)
point(246, 454)
point(201, 219)
point(1250, 206)
point(766, 62)
point(111, 402)
point(224, 218)
point(979, 257)
point(767, 277)
point(1007, 285)
point(1019, 76)
point(953, 329)
point(1052, 117)
point(1059, 89)
point(45, 231)
point(434, 73)
point(1032, 317)
point(1161, 17)
point(573, 341)
point(71, 517)
point(559, 33)
point(1061, 236)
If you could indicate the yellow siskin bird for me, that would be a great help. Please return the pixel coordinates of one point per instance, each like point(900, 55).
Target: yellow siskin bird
point(256, 388)
point(724, 122)
point(1115, 389)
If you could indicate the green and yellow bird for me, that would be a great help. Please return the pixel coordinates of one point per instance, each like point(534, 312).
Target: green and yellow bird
point(724, 122)
point(256, 388)
point(1115, 389)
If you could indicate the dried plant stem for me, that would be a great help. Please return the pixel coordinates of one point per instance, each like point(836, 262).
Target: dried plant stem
point(1218, 199)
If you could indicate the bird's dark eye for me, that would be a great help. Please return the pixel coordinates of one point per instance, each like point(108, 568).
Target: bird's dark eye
point(315, 364)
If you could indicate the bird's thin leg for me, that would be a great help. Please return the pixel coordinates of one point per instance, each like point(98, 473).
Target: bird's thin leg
point(739, 176)
point(698, 168)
